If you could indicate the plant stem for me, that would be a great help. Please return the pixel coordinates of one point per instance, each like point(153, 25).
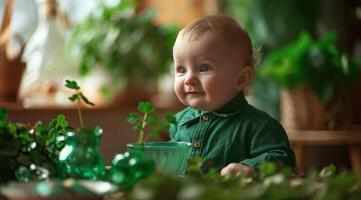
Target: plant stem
point(141, 133)
point(79, 112)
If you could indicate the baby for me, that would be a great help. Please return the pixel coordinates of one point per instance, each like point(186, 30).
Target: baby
point(213, 67)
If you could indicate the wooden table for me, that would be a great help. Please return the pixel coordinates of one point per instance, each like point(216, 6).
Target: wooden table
point(301, 139)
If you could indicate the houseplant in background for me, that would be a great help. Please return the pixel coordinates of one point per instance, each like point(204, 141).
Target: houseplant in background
point(317, 79)
point(269, 27)
point(130, 47)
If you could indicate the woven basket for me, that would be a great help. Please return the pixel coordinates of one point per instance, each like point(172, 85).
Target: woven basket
point(301, 109)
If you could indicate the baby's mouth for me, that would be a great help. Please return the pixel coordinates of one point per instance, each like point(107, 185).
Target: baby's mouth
point(192, 92)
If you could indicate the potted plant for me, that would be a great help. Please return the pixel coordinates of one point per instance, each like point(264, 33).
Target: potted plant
point(11, 66)
point(144, 157)
point(130, 47)
point(81, 157)
point(317, 80)
point(171, 157)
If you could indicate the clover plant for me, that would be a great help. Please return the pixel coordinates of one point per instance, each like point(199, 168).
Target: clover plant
point(79, 97)
point(27, 152)
point(147, 119)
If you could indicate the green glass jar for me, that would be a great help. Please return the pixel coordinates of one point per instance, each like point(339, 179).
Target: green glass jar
point(127, 169)
point(169, 157)
point(81, 157)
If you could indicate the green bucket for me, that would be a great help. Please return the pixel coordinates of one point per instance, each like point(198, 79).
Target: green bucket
point(170, 157)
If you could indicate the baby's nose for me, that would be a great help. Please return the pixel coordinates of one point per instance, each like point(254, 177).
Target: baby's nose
point(191, 78)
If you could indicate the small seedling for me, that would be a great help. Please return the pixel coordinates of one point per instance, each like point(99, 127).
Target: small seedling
point(155, 124)
point(79, 97)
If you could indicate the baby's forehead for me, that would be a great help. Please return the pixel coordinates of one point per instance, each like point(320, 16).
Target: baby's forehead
point(220, 39)
point(234, 50)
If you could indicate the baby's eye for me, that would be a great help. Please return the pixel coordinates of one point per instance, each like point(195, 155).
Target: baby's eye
point(181, 70)
point(204, 68)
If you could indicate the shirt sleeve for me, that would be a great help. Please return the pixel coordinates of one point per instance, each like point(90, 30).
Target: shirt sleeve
point(270, 143)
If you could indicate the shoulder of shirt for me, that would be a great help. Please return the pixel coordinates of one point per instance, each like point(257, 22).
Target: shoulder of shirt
point(258, 116)
point(183, 112)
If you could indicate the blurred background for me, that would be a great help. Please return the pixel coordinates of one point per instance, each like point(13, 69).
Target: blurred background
point(120, 51)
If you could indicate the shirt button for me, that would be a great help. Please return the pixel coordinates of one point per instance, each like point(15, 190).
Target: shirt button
point(197, 145)
point(205, 117)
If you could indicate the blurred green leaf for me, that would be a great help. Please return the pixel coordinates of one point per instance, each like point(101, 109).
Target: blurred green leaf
point(74, 97)
point(3, 114)
point(146, 107)
point(61, 121)
point(133, 118)
point(72, 84)
point(85, 99)
point(306, 62)
point(328, 171)
point(171, 119)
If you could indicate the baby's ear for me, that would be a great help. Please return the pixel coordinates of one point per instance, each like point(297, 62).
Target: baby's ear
point(245, 77)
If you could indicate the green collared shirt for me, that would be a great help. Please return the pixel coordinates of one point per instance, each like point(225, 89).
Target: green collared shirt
point(236, 133)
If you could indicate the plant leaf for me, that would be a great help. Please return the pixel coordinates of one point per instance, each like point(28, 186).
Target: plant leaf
point(268, 168)
point(146, 107)
point(328, 171)
point(3, 114)
point(72, 85)
point(152, 120)
point(133, 118)
point(86, 100)
point(74, 97)
point(61, 121)
point(170, 117)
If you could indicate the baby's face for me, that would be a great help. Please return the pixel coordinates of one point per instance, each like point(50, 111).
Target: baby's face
point(206, 76)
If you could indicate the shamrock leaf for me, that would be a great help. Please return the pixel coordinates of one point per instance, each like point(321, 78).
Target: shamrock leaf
point(145, 107)
point(72, 85)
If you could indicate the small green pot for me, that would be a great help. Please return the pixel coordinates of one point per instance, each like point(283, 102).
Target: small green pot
point(170, 157)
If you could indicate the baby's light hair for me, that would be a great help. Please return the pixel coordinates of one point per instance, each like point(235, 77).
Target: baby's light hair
point(257, 56)
point(225, 28)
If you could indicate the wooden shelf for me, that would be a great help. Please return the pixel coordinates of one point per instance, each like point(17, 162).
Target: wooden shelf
point(324, 137)
point(301, 139)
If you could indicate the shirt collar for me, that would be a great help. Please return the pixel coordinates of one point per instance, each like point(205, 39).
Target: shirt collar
point(233, 107)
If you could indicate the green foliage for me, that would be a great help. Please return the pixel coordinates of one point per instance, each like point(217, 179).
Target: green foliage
point(78, 96)
point(317, 64)
point(149, 121)
point(23, 150)
point(127, 45)
point(270, 182)
point(273, 25)
point(3, 114)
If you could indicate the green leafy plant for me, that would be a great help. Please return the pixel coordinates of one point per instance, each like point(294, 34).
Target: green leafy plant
point(81, 156)
point(149, 120)
point(270, 182)
point(127, 45)
point(30, 152)
point(79, 97)
point(318, 64)
point(269, 29)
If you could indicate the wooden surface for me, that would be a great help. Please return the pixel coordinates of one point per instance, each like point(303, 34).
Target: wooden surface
point(301, 139)
point(313, 137)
